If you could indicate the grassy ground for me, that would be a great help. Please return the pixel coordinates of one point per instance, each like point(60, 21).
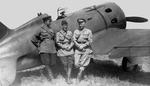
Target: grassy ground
point(88, 81)
point(98, 73)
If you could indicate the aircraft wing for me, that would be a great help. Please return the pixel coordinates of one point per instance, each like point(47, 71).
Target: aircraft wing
point(122, 42)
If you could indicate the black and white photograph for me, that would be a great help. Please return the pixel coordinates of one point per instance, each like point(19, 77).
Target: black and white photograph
point(74, 43)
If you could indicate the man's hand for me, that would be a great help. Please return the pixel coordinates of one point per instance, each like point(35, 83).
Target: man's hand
point(69, 48)
point(82, 46)
point(64, 47)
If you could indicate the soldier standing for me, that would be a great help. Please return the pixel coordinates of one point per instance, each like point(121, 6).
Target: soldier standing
point(82, 38)
point(65, 50)
point(46, 46)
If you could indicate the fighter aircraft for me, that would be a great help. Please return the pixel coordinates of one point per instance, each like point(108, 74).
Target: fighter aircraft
point(108, 25)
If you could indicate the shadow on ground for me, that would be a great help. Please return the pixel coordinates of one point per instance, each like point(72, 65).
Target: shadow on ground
point(97, 68)
point(110, 69)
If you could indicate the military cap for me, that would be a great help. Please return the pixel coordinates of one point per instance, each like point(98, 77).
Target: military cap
point(64, 22)
point(80, 20)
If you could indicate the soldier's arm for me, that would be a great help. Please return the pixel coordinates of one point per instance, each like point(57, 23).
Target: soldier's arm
point(75, 39)
point(90, 39)
point(71, 45)
point(59, 43)
point(53, 34)
point(36, 39)
point(71, 41)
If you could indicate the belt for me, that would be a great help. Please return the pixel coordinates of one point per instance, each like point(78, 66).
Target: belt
point(81, 42)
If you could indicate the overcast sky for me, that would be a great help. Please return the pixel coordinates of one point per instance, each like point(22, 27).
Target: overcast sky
point(14, 13)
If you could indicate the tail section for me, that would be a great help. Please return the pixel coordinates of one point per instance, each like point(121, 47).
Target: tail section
point(3, 30)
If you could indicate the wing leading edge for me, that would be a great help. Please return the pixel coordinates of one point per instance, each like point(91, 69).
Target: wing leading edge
point(120, 43)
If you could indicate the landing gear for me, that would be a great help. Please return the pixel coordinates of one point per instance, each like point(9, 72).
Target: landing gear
point(125, 62)
point(128, 64)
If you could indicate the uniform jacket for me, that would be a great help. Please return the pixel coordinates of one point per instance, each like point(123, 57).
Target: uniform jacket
point(82, 38)
point(64, 40)
point(45, 40)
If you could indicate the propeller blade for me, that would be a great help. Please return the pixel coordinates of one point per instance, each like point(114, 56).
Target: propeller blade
point(136, 19)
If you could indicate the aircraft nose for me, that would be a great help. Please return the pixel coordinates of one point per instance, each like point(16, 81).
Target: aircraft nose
point(112, 15)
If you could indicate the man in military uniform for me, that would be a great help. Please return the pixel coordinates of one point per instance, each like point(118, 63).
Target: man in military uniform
point(61, 13)
point(82, 38)
point(65, 51)
point(44, 40)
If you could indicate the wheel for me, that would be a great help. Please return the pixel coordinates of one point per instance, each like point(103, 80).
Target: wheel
point(125, 61)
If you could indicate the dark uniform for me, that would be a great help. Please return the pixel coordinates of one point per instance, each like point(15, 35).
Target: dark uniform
point(46, 46)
